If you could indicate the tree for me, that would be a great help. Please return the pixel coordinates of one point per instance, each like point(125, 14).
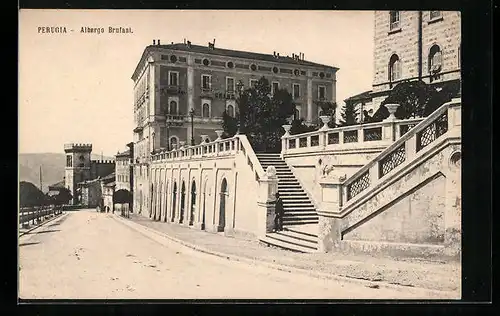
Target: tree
point(229, 125)
point(63, 197)
point(328, 109)
point(261, 115)
point(299, 127)
point(30, 195)
point(349, 114)
point(415, 99)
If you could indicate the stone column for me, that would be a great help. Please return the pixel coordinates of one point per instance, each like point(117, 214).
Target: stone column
point(389, 123)
point(329, 228)
point(309, 100)
point(268, 186)
point(284, 139)
point(190, 83)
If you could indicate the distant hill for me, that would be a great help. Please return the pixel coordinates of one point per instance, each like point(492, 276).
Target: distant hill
point(52, 167)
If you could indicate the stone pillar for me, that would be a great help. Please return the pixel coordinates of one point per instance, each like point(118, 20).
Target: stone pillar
point(329, 228)
point(190, 84)
point(309, 100)
point(453, 209)
point(268, 186)
point(284, 139)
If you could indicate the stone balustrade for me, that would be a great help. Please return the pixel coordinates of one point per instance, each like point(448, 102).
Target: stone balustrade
point(355, 136)
point(339, 195)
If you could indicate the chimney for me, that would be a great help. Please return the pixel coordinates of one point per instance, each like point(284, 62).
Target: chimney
point(158, 42)
point(278, 55)
point(172, 43)
point(274, 53)
point(154, 42)
point(184, 41)
point(189, 44)
point(213, 43)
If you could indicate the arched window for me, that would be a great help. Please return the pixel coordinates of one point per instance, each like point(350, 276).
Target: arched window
point(435, 59)
point(394, 68)
point(206, 110)
point(173, 141)
point(172, 107)
point(230, 110)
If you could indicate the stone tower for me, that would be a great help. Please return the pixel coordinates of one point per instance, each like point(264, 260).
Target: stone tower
point(78, 166)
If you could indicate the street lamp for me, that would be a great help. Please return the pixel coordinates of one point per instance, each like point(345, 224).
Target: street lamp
point(191, 114)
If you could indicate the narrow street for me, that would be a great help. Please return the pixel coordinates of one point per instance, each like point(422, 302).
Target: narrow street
point(90, 255)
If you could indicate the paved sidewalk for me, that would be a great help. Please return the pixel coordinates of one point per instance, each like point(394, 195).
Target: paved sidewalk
point(412, 273)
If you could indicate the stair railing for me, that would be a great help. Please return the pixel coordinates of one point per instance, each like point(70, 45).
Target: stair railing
point(444, 120)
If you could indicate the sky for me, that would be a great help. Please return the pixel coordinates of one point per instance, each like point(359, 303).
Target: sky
point(76, 87)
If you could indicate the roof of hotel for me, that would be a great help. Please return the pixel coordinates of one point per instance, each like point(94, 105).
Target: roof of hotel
point(231, 53)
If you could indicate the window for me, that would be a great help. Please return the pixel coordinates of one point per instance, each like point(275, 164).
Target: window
point(69, 161)
point(253, 83)
point(297, 114)
point(206, 110)
point(172, 109)
point(434, 15)
point(321, 92)
point(296, 90)
point(394, 68)
point(275, 87)
point(394, 20)
point(229, 85)
point(173, 78)
point(206, 82)
point(230, 110)
point(173, 141)
point(435, 59)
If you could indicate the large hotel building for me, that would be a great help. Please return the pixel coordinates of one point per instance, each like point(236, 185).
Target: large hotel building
point(182, 90)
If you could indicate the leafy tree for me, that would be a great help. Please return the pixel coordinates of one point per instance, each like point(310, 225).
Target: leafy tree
point(261, 115)
point(229, 125)
point(30, 195)
point(329, 109)
point(63, 197)
point(349, 114)
point(299, 127)
point(415, 99)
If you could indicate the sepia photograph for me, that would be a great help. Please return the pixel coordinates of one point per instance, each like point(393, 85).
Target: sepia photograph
point(239, 154)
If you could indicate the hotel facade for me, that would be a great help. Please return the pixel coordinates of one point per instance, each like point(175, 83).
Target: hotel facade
point(182, 90)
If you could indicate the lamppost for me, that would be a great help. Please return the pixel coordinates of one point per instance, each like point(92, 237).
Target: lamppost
point(191, 114)
point(239, 88)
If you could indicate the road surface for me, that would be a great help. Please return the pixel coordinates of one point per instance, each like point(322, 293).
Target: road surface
point(90, 255)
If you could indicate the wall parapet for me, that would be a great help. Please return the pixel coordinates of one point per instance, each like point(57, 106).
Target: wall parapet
point(347, 137)
point(442, 123)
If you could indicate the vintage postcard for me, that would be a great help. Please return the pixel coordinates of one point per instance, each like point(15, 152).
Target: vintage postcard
point(204, 154)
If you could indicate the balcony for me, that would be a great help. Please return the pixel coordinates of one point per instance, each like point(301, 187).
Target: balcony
point(174, 119)
point(172, 90)
point(206, 93)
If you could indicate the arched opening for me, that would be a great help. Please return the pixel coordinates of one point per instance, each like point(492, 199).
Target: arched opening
point(174, 200)
point(206, 110)
point(183, 202)
point(151, 201)
point(222, 205)
point(394, 68)
point(230, 110)
point(204, 204)
point(140, 202)
point(166, 202)
point(193, 203)
point(173, 142)
point(435, 61)
point(172, 109)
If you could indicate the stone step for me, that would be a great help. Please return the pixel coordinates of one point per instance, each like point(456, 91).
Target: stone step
point(273, 239)
point(296, 223)
point(292, 233)
point(289, 181)
point(295, 198)
point(293, 212)
point(296, 230)
point(288, 193)
point(293, 205)
point(299, 218)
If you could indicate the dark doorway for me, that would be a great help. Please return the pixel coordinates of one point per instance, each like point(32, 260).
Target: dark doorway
point(174, 200)
point(151, 202)
point(193, 203)
point(222, 206)
point(204, 205)
point(183, 202)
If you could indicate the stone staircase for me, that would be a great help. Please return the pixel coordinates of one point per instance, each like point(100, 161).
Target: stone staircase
point(300, 219)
